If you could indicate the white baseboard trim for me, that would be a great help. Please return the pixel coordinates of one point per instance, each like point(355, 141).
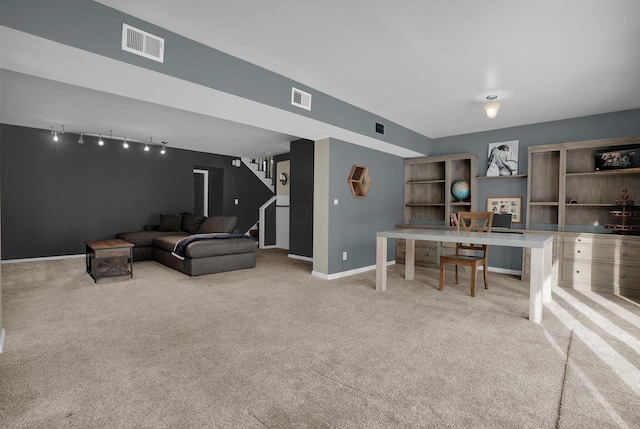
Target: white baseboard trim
point(270, 246)
point(503, 271)
point(3, 335)
point(47, 258)
point(302, 258)
point(347, 273)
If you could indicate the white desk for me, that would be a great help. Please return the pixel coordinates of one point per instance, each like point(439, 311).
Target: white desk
point(541, 247)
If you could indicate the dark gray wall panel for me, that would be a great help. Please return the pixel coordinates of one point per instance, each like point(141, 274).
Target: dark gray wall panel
point(57, 195)
point(301, 198)
point(354, 221)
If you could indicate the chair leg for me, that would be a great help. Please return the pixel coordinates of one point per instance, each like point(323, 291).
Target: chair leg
point(456, 274)
point(485, 269)
point(474, 277)
point(442, 267)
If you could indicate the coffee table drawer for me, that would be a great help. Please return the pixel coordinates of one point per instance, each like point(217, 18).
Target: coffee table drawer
point(112, 253)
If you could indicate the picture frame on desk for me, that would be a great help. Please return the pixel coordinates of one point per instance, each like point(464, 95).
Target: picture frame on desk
point(512, 205)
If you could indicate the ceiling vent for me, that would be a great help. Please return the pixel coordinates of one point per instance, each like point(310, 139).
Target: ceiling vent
point(300, 99)
point(142, 43)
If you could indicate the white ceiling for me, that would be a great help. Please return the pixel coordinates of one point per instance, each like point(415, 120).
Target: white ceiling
point(426, 65)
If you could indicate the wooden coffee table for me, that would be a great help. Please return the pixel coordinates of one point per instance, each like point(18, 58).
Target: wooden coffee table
point(108, 258)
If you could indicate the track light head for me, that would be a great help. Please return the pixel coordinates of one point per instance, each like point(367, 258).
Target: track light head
point(81, 140)
point(146, 147)
point(100, 141)
point(164, 149)
point(125, 144)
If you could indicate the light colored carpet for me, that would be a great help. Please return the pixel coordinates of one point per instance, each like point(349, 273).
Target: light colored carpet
point(275, 347)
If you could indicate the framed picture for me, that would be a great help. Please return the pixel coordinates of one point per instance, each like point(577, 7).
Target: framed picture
point(502, 159)
point(511, 205)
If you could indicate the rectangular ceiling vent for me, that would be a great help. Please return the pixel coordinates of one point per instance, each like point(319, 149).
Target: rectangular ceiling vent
point(300, 99)
point(142, 43)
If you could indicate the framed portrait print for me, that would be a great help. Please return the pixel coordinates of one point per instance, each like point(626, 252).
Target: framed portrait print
point(502, 159)
point(512, 205)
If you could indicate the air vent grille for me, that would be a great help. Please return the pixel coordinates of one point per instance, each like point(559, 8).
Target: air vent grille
point(142, 43)
point(300, 98)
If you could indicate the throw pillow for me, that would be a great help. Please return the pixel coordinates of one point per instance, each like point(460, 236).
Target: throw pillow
point(170, 222)
point(218, 224)
point(191, 222)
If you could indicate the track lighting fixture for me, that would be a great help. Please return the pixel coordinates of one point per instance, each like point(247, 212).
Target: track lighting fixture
point(148, 144)
point(492, 106)
point(54, 132)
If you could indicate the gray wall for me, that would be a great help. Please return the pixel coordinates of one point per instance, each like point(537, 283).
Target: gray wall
point(618, 124)
point(57, 195)
point(96, 28)
point(354, 221)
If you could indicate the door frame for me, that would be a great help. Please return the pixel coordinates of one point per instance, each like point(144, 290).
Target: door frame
point(206, 188)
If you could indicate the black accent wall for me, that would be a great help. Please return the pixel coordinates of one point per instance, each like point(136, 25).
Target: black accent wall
point(301, 155)
point(57, 195)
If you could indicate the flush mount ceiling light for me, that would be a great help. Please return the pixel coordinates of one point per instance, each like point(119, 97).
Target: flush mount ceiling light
point(492, 106)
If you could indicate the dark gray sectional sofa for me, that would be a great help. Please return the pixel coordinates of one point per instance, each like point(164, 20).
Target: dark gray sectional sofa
point(157, 242)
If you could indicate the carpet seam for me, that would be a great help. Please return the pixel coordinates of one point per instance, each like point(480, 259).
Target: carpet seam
point(564, 380)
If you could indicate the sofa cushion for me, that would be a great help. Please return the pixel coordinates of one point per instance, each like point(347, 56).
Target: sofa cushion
point(170, 222)
point(191, 222)
point(144, 238)
point(217, 224)
point(206, 248)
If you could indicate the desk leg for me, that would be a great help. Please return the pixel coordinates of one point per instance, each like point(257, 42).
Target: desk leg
point(410, 259)
point(540, 286)
point(381, 263)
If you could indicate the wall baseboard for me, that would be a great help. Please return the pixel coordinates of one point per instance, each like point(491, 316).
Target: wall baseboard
point(302, 258)
point(47, 258)
point(347, 273)
point(3, 335)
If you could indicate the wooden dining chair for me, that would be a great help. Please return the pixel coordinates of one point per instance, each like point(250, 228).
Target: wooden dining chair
point(470, 222)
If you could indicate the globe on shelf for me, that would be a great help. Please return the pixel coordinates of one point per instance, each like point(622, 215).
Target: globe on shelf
point(460, 189)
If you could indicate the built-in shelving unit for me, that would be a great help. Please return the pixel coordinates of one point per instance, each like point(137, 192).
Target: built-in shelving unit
point(427, 190)
point(568, 197)
point(566, 193)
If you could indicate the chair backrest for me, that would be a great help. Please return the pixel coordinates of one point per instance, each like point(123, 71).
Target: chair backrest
point(474, 222)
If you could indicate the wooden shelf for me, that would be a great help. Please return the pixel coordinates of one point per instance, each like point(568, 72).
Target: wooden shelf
point(543, 203)
point(424, 182)
point(607, 172)
point(515, 176)
point(424, 205)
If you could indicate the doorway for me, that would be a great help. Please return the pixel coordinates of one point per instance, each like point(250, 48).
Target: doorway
point(200, 192)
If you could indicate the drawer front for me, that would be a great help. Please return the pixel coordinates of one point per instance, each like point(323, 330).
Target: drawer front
point(603, 240)
point(426, 251)
point(604, 274)
point(615, 254)
point(112, 253)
